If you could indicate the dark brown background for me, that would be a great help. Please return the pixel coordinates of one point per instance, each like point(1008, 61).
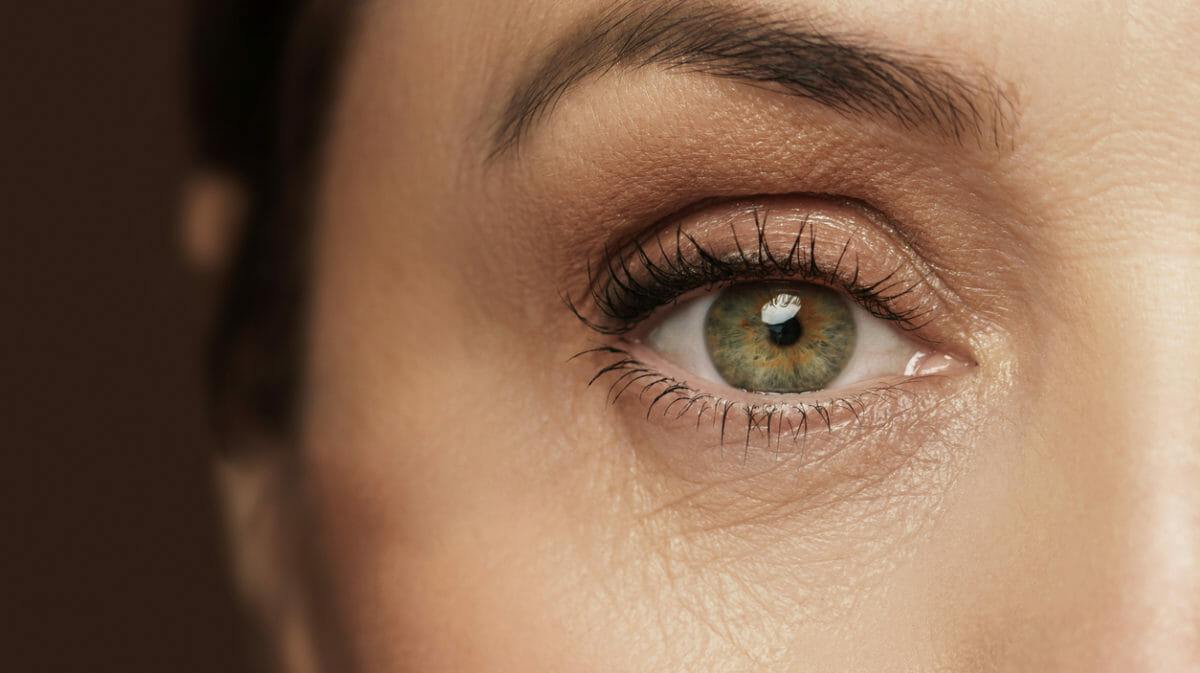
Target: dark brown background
point(111, 556)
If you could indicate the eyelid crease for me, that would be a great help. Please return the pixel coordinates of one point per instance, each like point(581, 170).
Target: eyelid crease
point(625, 289)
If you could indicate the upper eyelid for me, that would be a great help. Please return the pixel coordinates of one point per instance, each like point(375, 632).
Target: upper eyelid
point(647, 268)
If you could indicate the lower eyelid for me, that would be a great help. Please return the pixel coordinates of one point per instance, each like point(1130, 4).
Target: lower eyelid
point(660, 397)
point(646, 392)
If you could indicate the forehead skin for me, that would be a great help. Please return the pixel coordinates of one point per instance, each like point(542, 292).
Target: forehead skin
point(479, 508)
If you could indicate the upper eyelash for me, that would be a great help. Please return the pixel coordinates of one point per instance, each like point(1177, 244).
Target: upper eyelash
point(633, 285)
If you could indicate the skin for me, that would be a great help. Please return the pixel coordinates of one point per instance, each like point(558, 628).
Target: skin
point(460, 500)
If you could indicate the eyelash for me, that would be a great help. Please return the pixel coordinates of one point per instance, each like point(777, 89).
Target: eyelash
point(762, 418)
point(634, 285)
point(631, 287)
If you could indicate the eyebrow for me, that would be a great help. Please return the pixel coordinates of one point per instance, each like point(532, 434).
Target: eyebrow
point(754, 47)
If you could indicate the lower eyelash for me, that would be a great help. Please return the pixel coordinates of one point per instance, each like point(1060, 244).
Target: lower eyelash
point(774, 422)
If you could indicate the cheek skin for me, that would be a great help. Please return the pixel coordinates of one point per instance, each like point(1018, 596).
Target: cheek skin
point(486, 527)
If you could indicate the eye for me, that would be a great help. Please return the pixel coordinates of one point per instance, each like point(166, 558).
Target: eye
point(778, 314)
point(771, 337)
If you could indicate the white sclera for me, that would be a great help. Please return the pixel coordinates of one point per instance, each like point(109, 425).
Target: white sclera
point(880, 349)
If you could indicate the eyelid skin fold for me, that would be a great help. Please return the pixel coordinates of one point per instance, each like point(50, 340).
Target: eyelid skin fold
point(829, 241)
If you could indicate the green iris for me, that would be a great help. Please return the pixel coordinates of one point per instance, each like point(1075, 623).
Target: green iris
point(779, 338)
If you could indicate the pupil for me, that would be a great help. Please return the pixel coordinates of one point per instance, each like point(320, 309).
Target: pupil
point(785, 333)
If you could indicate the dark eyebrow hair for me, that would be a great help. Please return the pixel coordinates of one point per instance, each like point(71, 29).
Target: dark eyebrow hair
point(752, 46)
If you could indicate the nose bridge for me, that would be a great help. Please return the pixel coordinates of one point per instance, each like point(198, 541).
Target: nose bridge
point(1158, 606)
point(1144, 319)
point(1131, 359)
point(1160, 448)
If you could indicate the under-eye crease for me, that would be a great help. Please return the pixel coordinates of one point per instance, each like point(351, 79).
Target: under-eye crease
point(756, 245)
